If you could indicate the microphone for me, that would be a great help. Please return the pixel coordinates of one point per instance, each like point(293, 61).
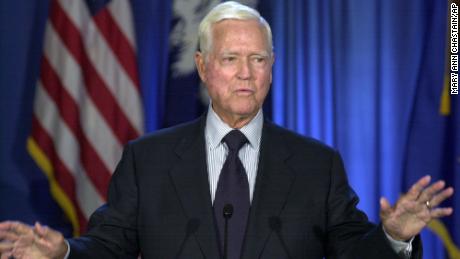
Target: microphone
point(227, 213)
point(275, 226)
point(192, 226)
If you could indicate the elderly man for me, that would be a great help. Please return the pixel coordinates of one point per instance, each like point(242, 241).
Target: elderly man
point(232, 184)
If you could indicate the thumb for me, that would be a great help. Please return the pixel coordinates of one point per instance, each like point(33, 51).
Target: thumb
point(48, 238)
point(42, 242)
point(40, 230)
point(45, 234)
point(385, 207)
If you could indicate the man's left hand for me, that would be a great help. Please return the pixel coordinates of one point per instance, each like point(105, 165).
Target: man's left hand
point(414, 210)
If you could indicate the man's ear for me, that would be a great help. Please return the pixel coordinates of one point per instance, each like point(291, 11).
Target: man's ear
point(271, 67)
point(200, 65)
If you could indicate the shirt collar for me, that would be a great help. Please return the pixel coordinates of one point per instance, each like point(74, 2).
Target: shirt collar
point(216, 129)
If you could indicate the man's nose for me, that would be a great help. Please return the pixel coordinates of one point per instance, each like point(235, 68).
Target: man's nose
point(244, 70)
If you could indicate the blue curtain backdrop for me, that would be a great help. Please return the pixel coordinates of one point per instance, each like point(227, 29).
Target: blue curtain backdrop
point(347, 72)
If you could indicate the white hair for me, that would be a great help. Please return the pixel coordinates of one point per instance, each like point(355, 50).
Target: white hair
point(229, 10)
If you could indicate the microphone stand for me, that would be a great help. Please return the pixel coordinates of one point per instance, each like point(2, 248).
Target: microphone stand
point(227, 213)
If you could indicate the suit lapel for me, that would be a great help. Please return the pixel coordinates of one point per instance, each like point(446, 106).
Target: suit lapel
point(273, 184)
point(190, 178)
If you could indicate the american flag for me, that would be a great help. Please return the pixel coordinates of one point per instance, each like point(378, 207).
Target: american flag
point(87, 102)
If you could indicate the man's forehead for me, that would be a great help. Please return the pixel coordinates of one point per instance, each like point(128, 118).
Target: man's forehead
point(230, 24)
point(230, 33)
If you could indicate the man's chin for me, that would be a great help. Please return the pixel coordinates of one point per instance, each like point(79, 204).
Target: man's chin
point(245, 113)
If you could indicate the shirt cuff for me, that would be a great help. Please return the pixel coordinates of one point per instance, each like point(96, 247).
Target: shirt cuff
point(402, 248)
point(68, 250)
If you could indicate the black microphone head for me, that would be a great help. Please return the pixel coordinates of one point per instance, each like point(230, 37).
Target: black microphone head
point(275, 223)
point(192, 225)
point(228, 210)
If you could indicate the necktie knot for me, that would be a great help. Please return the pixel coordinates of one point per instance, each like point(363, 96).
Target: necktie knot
point(235, 139)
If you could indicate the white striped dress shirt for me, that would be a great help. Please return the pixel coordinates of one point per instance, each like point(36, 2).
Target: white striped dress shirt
point(216, 151)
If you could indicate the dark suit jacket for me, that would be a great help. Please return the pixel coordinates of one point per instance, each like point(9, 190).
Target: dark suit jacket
point(159, 203)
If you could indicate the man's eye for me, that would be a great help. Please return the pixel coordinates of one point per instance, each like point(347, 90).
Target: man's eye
point(229, 59)
point(258, 59)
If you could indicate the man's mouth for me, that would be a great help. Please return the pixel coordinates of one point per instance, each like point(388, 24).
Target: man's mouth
point(244, 91)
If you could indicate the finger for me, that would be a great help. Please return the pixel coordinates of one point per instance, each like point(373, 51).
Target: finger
point(44, 234)
point(18, 253)
point(6, 247)
point(46, 246)
point(440, 197)
point(417, 188)
point(428, 193)
point(20, 228)
point(6, 255)
point(9, 236)
point(47, 233)
point(441, 212)
point(42, 231)
point(5, 225)
point(385, 207)
point(8, 226)
point(25, 241)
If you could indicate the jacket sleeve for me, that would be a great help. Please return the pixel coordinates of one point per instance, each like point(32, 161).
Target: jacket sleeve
point(350, 234)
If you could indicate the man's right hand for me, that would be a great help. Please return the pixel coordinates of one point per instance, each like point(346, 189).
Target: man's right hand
point(23, 241)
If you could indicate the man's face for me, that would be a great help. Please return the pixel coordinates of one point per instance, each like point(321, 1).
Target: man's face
point(238, 69)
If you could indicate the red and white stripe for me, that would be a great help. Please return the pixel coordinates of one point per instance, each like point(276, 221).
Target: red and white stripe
point(88, 102)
